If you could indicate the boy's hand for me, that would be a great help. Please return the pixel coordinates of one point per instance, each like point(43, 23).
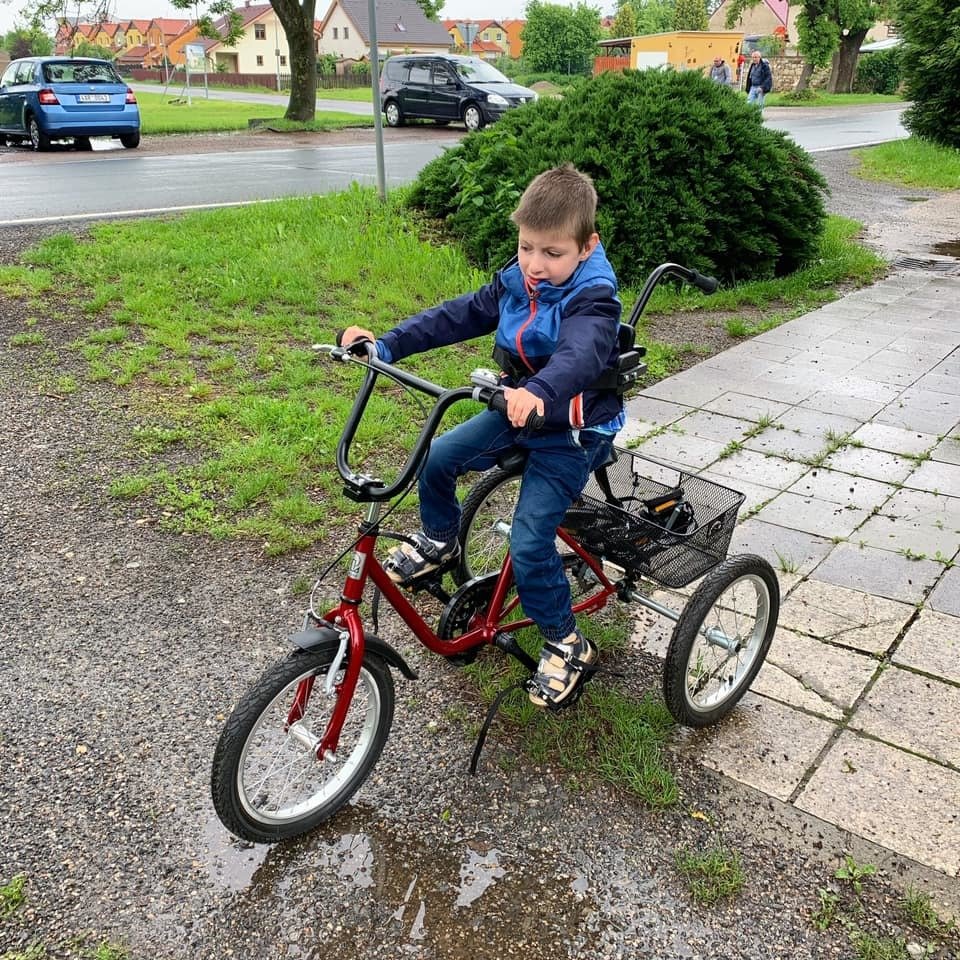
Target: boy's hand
point(352, 334)
point(520, 404)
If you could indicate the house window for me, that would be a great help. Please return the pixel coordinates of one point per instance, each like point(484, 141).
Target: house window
point(260, 31)
point(346, 33)
point(335, 37)
point(259, 61)
point(283, 60)
point(499, 35)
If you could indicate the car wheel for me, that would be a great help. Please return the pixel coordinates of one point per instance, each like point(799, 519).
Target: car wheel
point(82, 143)
point(391, 110)
point(472, 117)
point(3, 140)
point(130, 140)
point(38, 138)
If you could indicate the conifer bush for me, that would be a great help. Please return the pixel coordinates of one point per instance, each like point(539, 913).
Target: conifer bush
point(684, 170)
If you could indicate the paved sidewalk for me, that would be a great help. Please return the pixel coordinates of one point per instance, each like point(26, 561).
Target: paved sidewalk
point(842, 427)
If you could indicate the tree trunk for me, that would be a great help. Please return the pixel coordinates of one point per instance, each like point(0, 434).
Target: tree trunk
point(297, 22)
point(805, 74)
point(845, 62)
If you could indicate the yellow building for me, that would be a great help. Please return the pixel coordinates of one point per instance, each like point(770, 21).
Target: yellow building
point(681, 49)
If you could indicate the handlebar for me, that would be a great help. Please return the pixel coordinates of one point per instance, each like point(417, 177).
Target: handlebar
point(366, 488)
point(700, 280)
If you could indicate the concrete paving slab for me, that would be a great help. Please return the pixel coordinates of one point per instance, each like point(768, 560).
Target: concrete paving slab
point(789, 444)
point(882, 436)
point(911, 538)
point(872, 464)
point(754, 494)
point(786, 388)
point(786, 550)
point(746, 406)
point(762, 743)
point(915, 417)
point(714, 426)
point(843, 488)
point(933, 353)
point(934, 508)
point(822, 518)
point(680, 448)
point(847, 617)
point(863, 388)
point(932, 644)
point(843, 403)
point(817, 423)
point(693, 387)
point(844, 348)
point(759, 468)
point(914, 712)
point(946, 595)
point(815, 676)
point(947, 451)
point(940, 383)
point(896, 374)
point(651, 410)
point(937, 477)
point(899, 801)
point(879, 572)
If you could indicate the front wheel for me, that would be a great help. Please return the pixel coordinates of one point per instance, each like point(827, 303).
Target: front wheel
point(267, 783)
point(472, 117)
point(391, 110)
point(721, 640)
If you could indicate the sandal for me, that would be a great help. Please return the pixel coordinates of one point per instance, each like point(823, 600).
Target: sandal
point(563, 668)
point(416, 559)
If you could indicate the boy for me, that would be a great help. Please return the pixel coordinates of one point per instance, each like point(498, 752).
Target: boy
point(556, 315)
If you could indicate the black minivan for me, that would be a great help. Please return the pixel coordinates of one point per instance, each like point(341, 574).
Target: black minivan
point(446, 87)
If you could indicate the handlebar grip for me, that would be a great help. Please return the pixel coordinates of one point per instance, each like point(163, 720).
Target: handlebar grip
point(359, 348)
point(702, 282)
point(499, 402)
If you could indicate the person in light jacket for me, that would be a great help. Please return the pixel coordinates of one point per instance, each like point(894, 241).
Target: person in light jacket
point(720, 72)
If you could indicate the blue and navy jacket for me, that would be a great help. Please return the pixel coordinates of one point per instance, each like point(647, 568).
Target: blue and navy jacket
point(555, 340)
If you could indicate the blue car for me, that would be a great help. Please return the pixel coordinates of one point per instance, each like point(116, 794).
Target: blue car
point(66, 98)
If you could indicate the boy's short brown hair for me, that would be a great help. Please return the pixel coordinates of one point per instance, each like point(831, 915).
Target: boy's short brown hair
point(561, 200)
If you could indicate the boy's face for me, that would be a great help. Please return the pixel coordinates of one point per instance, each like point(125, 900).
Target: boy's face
point(550, 256)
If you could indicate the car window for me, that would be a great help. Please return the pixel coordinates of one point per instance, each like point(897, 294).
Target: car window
point(25, 72)
point(441, 75)
point(67, 71)
point(420, 73)
point(474, 70)
point(8, 75)
point(397, 70)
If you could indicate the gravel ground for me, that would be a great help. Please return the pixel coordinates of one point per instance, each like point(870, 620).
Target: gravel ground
point(123, 646)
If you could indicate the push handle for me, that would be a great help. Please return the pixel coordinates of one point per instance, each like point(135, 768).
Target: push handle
point(700, 280)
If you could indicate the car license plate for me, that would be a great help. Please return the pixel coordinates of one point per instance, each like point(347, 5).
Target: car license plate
point(93, 98)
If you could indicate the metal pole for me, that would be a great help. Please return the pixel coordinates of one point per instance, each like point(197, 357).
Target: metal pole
point(375, 83)
point(276, 48)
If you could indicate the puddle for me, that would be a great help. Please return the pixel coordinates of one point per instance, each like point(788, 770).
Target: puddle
point(362, 882)
point(949, 248)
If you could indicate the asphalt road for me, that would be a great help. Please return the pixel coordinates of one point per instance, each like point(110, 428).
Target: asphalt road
point(62, 187)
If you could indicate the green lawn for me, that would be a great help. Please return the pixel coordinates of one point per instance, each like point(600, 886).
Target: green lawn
point(170, 113)
point(913, 162)
point(823, 99)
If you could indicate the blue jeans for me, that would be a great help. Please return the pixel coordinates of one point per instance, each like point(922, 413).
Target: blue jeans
point(756, 96)
point(557, 469)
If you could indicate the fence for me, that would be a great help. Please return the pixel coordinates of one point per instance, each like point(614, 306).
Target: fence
point(269, 80)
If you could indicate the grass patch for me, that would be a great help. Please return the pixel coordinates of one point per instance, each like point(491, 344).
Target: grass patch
point(820, 98)
point(912, 162)
point(711, 874)
point(159, 115)
point(12, 896)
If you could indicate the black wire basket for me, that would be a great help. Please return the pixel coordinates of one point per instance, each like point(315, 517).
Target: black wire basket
point(671, 533)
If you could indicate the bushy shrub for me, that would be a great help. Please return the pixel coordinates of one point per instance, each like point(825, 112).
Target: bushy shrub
point(684, 169)
point(878, 71)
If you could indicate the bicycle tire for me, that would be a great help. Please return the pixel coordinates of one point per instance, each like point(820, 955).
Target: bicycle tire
point(262, 800)
point(485, 520)
point(740, 598)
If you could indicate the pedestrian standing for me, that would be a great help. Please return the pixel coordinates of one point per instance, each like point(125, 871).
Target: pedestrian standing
point(759, 79)
point(720, 72)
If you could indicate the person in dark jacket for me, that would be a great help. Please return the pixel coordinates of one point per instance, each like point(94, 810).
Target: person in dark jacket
point(759, 80)
point(556, 316)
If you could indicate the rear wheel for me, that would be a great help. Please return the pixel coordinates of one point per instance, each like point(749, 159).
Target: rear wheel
point(267, 783)
point(472, 117)
point(485, 525)
point(721, 640)
point(82, 143)
point(130, 140)
point(391, 110)
point(38, 138)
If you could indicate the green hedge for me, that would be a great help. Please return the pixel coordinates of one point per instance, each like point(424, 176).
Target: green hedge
point(878, 71)
point(684, 169)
